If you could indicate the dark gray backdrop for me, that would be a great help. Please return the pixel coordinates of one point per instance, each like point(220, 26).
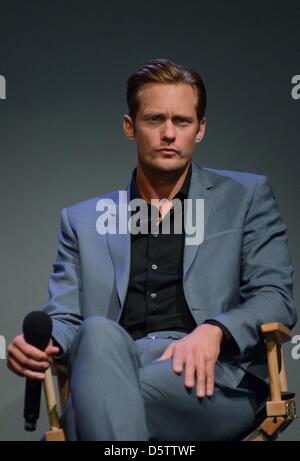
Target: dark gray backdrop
point(61, 140)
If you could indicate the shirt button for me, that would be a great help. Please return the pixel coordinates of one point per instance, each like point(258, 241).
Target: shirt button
point(154, 267)
point(153, 295)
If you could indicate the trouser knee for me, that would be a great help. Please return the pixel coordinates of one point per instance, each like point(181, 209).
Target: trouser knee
point(99, 334)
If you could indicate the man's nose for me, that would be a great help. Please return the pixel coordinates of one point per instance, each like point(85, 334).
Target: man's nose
point(168, 131)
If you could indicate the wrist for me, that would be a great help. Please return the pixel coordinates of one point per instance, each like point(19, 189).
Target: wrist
point(217, 331)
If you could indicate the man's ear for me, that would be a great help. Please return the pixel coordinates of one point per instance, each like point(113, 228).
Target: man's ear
point(201, 130)
point(128, 127)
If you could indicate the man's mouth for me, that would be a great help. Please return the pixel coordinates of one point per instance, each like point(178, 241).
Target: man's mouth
point(168, 150)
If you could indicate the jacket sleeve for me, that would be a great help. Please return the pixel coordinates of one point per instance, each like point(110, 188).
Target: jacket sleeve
point(64, 286)
point(266, 289)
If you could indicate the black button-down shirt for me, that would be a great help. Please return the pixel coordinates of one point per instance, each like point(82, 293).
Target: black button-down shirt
point(155, 299)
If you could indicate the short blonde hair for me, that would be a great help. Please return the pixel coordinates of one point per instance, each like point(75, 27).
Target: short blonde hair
point(164, 71)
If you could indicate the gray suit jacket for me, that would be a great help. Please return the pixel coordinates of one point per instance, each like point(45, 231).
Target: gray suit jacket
point(241, 275)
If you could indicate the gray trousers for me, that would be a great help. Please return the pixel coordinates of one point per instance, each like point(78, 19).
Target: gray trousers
point(120, 392)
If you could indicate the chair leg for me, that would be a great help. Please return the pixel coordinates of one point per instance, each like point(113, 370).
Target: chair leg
point(258, 436)
point(56, 435)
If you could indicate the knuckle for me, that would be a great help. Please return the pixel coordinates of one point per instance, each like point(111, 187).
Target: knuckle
point(209, 357)
point(24, 362)
point(200, 369)
point(17, 341)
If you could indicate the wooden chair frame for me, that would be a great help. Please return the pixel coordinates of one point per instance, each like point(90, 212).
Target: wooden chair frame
point(280, 412)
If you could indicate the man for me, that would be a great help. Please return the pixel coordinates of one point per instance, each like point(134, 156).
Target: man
point(161, 337)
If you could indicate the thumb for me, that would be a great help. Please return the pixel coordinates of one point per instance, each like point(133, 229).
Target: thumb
point(168, 352)
point(51, 349)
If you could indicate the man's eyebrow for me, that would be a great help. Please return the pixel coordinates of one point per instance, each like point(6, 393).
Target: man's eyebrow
point(176, 116)
point(151, 114)
point(185, 117)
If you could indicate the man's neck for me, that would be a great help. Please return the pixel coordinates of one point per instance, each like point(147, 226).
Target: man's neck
point(164, 185)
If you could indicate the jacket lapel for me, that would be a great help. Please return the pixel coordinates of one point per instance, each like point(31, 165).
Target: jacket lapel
point(119, 246)
point(200, 188)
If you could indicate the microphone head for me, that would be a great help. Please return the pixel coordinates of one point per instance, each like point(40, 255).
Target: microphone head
point(37, 329)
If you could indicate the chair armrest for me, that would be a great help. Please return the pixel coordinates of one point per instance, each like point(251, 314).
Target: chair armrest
point(275, 335)
point(282, 333)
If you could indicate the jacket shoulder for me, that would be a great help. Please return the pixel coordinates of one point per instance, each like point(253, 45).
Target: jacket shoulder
point(249, 180)
point(88, 207)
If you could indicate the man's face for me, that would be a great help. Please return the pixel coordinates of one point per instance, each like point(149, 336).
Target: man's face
point(166, 128)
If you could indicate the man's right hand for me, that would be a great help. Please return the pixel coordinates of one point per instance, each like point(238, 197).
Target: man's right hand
point(28, 361)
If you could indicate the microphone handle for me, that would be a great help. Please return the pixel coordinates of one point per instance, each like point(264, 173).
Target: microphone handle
point(32, 404)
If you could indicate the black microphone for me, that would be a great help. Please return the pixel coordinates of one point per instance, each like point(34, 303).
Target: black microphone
point(37, 329)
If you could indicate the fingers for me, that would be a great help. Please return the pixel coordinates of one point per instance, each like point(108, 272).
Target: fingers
point(196, 375)
point(199, 375)
point(210, 378)
point(205, 372)
point(201, 380)
point(31, 352)
point(28, 361)
point(199, 371)
point(189, 372)
point(18, 369)
point(178, 360)
point(167, 353)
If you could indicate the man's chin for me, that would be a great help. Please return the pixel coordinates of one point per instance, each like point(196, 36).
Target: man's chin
point(169, 165)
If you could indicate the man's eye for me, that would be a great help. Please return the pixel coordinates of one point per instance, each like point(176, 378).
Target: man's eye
point(155, 118)
point(183, 122)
